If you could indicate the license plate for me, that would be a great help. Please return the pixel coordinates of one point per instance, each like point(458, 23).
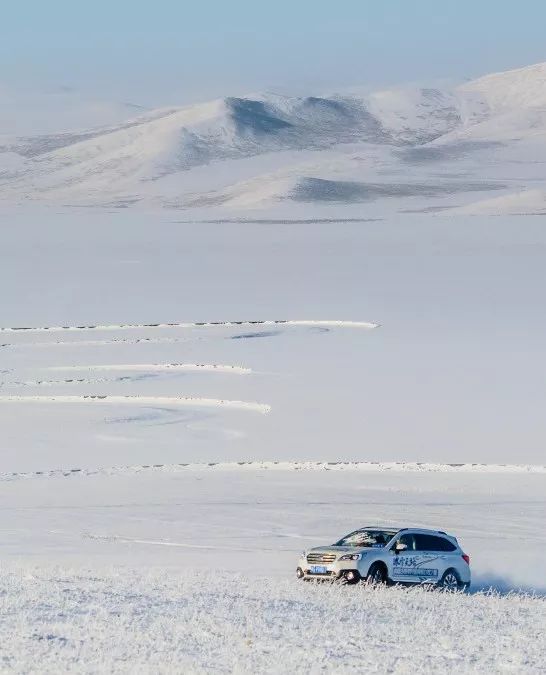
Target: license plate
point(318, 569)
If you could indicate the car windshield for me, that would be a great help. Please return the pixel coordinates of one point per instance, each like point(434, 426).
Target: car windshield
point(367, 538)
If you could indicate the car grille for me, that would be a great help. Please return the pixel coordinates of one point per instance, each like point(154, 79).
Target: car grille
point(320, 558)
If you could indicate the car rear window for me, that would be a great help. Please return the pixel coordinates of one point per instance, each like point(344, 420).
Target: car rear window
point(428, 542)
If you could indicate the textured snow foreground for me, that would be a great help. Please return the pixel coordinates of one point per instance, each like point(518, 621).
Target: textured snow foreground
point(124, 621)
point(192, 569)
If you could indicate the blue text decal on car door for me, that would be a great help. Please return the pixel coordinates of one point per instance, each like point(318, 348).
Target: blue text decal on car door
point(413, 566)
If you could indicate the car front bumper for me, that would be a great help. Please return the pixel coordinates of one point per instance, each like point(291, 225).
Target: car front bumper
point(333, 571)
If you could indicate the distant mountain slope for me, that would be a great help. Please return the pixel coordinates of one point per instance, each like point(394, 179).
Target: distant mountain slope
point(400, 144)
point(514, 89)
point(27, 112)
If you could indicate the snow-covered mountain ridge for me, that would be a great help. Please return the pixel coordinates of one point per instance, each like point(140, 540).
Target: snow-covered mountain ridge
point(419, 148)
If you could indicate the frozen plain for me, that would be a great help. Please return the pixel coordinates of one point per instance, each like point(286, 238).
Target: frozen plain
point(112, 563)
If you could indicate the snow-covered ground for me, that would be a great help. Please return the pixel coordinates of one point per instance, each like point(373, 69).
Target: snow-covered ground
point(152, 373)
point(453, 372)
point(162, 621)
point(256, 518)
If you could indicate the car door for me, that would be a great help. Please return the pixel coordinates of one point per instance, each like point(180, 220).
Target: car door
point(419, 562)
point(432, 557)
point(403, 563)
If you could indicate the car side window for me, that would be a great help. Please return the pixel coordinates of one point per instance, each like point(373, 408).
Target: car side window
point(424, 542)
point(428, 542)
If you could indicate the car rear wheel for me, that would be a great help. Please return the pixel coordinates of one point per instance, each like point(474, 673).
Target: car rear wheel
point(450, 582)
point(377, 575)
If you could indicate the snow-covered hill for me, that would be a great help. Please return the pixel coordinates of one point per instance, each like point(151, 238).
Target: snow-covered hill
point(521, 89)
point(419, 148)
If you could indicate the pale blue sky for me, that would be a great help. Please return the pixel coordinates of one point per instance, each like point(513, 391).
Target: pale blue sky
point(167, 50)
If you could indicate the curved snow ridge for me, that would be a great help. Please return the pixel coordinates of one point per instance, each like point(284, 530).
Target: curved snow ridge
point(144, 400)
point(365, 467)
point(159, 367)
point(369, 467)
point(333, 323)
point(205, 324)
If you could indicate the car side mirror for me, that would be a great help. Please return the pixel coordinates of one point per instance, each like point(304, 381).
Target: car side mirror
point(398, 547)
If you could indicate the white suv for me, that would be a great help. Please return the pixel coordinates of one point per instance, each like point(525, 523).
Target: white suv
point(382, 555)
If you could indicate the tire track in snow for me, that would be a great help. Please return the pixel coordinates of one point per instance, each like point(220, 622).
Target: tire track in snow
point(151, 368)
point(332, 323)
point(122, 539)
point(52, 383)
point(94, 343)
point(116, 538)
point(325, 324)
point(97, 343)
point(177, 401)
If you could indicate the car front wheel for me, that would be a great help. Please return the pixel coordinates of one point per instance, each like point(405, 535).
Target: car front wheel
point(350, 577)
point(377, 575)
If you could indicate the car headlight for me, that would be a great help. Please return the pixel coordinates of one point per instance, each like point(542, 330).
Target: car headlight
point(351, 556)
point(303, 554)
